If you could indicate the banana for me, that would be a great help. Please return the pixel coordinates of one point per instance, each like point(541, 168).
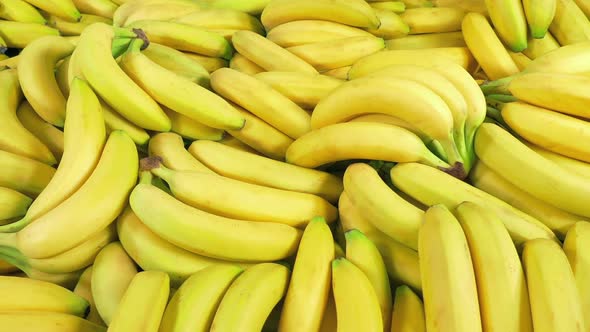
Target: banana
point(584, 6)
point(25, 175)
point(143, 304)
point(448, 280)
point(431, 186)
point(209, 63)
point(539, 15)
point(576, 166)
point(208, 234)
point(94, 57)
point(267, 54)
point(50, 136)
point(37, 78)
point(108, 288)
point(13, 204)
point(179, 94)
point(413, 3)
point(252, 7)
point(83, 128)
point(338, 73)
point(570, 25)
point(251, 297)
point(478, 6)
point(537, 47)
point(557, 220)
point(433, 20)
point(555, 303)
point(184, 37)
point(115, 121)
point(67, 28)
point(133, 10)
point(575, 248)
point(497, 266)
point(262, 100)
point(232, 198)
point(20, 11)
point(520, 60)
point(337, 53)
point(34, 321)
point(178, 63)
point(510, 22)
point(426, 40)
point(242, 64)
point(84, 289)
point(170, 148)
point(363, 253)
point(23, 294)
point(408, 311)
point(212, 18)
point(19, 34)
point(192, 129)
point(61, 8)
point(350, 12)
point(392, 25)
point(248, 167)
point(566, 59)
point(383, 118)
point(357, 304)
point(11, 62)
point(487, 47)
point(103, 8)
point(193, 306)
point(306, 90)
point(302, 32)
point(394, 6)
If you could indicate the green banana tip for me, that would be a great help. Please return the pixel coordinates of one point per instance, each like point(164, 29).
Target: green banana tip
point(337, 261)
point(317, 219)
point(149, 163)
point(354, 234)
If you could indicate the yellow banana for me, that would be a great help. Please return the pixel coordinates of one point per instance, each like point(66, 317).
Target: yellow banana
point(19, 35)
point(555, 303)
point(20, 11)
point(537, 47)
point(103, 8)
point(576, 166)
point(384, 118)
point(311, 31)
point(152, 9)
point(65, 9)
point(252, 7)
point(575, 247)
point(510, 22)
point(339, 73)
point(192, 129)
point(209, 63)
point(50, 136)
point(566, 59)
point(115, 121)
point(11, 62)
point(569, 25)
point(34, 321)
point(22, 174)
point(67, 28)
point(214, 18)
point(242, 64)
point(497, 266)
point(392, 25)
point(478, 6)
point(394, 6)
point(170, 148)
point(309, 287)
point(584, 6)
point(13, 204)
point(539, 15)
point(433, 20)
point(83, 289)
point(520, 60)
point(408, 311)
point(178, 63)
point(426, 40)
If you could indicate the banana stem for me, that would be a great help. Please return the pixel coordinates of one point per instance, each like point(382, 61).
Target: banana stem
point(454, 158)
point(16, 226)
point(8, 240)
point(14, 257)
point(498, 86)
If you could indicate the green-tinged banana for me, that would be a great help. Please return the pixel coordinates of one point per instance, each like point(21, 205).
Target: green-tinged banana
point(510, 22)
point(193, 306)
point(557, 220)
point(152, 9)
point(431, 186)
point(208, 234)
point(537, 47)
point(337, 53)
point(192, 129)
point(184, 37)
point(262, 100)
point(65, 9)
point(267, 54)
point(67, 28)
point(115, 121)
point(554, 298)
point(357, 303)
point(178, 93)
point(248, 167)
point(209, 63)
point(178, 63)
point(108, 288)
point(448, 278)
point(84, 289)
point(392, 25)
point(37, 77)
point(539, 15)
point(34, 321)
point(143, 304)
point(414, 3)
point(19, 34)
point(17, 139)
point(487, 47)
point(427, 40)
point(242, 200)
point(576, 248)
point(311, 31)
point(212, 18)
point(251, 297)
point(306, 90)
point(363, 253)
point(350, 12)
point(408, 311)
point(13, 204)
point(170, 148)
point(94, 57)
point(573, 165)
point(309, 287)
point(20, 11)
point(433, 20)
point(24, 294)
point(497, 266)
point(84, 139)
point(570, 25)
point(50, 136)
point(103, 8)
point(242, 64)
point(25, 175)
point(393, 6)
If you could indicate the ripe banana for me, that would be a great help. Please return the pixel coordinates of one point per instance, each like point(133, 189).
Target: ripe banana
point(210, 63)
point(20, 11)
point(576, 166)
point(50, 136)
point(13, 204)
point(103, 8)
point(363, 253)
point(83, 289)
point(575, 248)
point(433, 19)
point(262, 100)
point(537, 47)
point(570, 25)
point(34, 321)
point(384, 118)
point(539, 15)
point(152, 9)
point(252, 7)
point(520, 60)
point(178, 93)
point(143, 304)
point(510, 22)
point(193, 306)
point(555, 303)
point(350, 12)
point(242, 64)
point(426, 40)
point(22, 174)
point(61, 8)
point(339, 73)
point(497, 266)
point(178, 63)
point(170, 148)
point(584, 6)
point(357, 304)
point(11, 62)
point(84, 138)
point(408, 311)
point(19, 35)
point(392, 25)
point(569, 59)
point(251, 297)
point(214, 18)
point(448, 280)
point(302, 32)
point(192, 129)
point(115, 121)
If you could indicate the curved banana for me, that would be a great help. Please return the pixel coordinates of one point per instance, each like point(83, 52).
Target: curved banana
point(242, 64)
point(520, 60)
point(392, 25)
point(67, 28)
point(115, 121)
point(393, 6)
point(510, 22)
point(19, 35)
point(22, 174)
point(83, 288)
point(209, 63)
point(433, 19)
point(248, 167)
point(497, 266)
point(146, 296)
point(215, 18)
point(193, 306)
point(237, 144)
point(50, 136)
point(178, 63)
point(103, 8)
point(357, 304)
point(426, 40)
point(408, 311)
point(84, 138)
point(353, 12)
point(31, 321)
point(13, 204)
point(568, 59)
point(539, 14)
point(554, 297)
point(575, 247)
point(170, 148)
point(192, 129)
point(20, 11)
point(65, 9)
point(152, 9)
point(95, 60)
point(311, 31)
point(570, 25)
point(537, 47)
point(573, 165)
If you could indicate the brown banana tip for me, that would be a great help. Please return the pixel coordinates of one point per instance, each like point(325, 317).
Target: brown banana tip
point(149, 163)
point(457, 170)
point(141, 35)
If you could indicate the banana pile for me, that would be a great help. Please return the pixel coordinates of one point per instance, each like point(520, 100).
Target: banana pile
point(294, 165)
